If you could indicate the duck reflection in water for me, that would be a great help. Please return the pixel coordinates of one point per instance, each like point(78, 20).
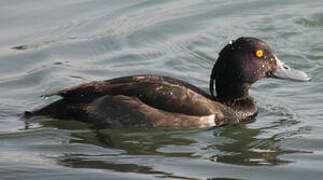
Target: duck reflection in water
point(236, 145)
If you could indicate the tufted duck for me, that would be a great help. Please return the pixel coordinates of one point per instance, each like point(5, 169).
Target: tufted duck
point(160, 101)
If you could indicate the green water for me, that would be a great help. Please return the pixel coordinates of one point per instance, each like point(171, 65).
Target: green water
point(51, 45)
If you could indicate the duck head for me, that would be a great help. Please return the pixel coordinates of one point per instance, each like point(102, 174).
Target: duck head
point(244, 61)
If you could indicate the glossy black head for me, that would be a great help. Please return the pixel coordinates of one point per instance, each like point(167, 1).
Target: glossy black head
point(243, 62)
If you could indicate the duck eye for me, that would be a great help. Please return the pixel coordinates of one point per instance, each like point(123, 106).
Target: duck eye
point(259, 53)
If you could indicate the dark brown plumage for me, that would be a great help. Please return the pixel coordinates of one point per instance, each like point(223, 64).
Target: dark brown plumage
point(160, 101)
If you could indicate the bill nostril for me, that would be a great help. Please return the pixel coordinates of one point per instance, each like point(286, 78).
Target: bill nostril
point(286, 67)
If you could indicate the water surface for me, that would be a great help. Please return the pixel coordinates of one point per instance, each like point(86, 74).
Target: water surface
point(50, 45)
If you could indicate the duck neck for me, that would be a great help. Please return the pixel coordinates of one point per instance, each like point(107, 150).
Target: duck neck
point(231, 92)
point(236, 96)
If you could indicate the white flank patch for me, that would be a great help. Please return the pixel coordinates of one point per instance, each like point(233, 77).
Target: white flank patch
point(207, 121)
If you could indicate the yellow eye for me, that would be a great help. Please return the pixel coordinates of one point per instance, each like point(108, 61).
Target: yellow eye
point(259, 53)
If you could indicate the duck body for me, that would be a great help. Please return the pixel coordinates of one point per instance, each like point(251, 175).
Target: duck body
point(144, 101)
point(160, 101)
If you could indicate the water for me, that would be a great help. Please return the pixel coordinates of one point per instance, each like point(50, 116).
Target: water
point(50, 45)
